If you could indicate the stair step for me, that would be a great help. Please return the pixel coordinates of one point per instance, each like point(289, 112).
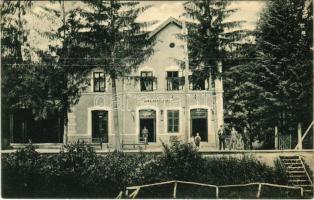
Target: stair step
point(308, 185)
point(296, 172)
point(298, 181)
point(293, 165)
point(294, 176)
point(297, 178)
point(289, 157)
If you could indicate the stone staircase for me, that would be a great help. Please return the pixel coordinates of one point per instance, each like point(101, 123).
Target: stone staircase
point(297, 174)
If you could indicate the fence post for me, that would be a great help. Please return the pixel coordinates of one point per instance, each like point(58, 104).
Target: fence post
point(217, 192)
point(259, 191)
point(175, 190)
point(276, 137)
point(300, 147)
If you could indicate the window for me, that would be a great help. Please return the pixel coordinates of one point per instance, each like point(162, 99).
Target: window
point(173, 121)
point(197, 83)
point(175, 81)
point(147, 81)
point(99, 82)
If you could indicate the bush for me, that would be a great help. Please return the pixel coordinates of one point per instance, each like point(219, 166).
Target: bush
point(178, 162)
point(20, 173)
point(113, 173)
point(66, 173)
point(79, 172)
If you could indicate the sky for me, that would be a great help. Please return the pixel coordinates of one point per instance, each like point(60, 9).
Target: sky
point(248, 11)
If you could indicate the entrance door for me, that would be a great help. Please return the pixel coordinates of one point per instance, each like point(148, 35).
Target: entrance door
point(148, 120)
point(199, 123)
point(100, 125)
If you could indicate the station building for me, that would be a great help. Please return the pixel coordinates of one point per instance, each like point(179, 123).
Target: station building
point(163, 99)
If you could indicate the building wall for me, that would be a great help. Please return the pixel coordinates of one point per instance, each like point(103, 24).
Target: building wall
point(131, 99)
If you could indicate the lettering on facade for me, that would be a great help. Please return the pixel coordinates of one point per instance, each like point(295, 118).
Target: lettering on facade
point(157, 100)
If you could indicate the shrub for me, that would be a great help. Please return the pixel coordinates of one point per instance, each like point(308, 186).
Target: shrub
point(79, 172)
point(180, 161)
point(66, 173)
point(20, 173)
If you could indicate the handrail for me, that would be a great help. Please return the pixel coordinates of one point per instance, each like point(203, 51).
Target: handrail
point(307, 130)
point(307, 174)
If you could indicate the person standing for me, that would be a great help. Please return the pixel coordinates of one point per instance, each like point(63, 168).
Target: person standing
point(145, 134)
point(233, 139)
point(191, 141)
point(221, 137)
point(197, 140)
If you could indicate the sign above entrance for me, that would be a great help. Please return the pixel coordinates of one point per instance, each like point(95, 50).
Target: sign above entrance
point(147, 114)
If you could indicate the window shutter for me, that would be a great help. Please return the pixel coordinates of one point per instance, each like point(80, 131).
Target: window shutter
point(166, 81)
point(190, 82)
point(207, 84)
point(155, 84)
point(181, 80)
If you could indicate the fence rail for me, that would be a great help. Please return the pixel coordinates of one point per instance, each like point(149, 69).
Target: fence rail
point(136, 189)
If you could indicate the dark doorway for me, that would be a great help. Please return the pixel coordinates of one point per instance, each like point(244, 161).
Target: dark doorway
point(150, 125)
point(148, 119)
point(199, 123)
point(100, 125)
point(25, 127)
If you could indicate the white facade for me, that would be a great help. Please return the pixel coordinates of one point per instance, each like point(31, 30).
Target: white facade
point(164, 104)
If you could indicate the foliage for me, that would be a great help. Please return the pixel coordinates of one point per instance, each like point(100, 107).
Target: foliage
point(20, 173)
point(178, 162)
point(272, 86)
point(78, 171)
point(285, 63)
point(210, 36)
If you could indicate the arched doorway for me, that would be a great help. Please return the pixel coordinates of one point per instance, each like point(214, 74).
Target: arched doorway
point(199, 123)
point(147, 118)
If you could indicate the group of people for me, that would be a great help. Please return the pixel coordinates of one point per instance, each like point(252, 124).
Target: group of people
point(235, 142)
point(196, 140)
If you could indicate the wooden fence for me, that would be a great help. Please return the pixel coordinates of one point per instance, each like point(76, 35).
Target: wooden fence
point(136, 189)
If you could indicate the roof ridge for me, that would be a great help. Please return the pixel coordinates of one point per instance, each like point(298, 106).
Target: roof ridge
point(164, 24)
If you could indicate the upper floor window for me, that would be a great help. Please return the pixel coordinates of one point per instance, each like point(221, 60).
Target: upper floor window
point(99, 81)
point(148, 81)
point(175, 81)
point(197, 83)
point(173, 121)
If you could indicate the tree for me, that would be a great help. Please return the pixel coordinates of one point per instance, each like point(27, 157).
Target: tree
point(117, 42)
point(14, 58)
point(285, 56)
point(272, 85)
point(68, 62)
point(210, 37)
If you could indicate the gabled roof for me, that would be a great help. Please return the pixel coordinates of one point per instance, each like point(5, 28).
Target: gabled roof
point(164, 24)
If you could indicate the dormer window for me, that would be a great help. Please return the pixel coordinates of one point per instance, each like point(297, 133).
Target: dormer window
point(99, 81)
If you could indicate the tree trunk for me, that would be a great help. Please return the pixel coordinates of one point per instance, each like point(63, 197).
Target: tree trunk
point(116, 131)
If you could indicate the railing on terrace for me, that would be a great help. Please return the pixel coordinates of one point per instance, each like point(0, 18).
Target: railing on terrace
point(179, 189)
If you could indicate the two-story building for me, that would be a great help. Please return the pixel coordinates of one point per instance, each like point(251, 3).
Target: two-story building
point(163, 99)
